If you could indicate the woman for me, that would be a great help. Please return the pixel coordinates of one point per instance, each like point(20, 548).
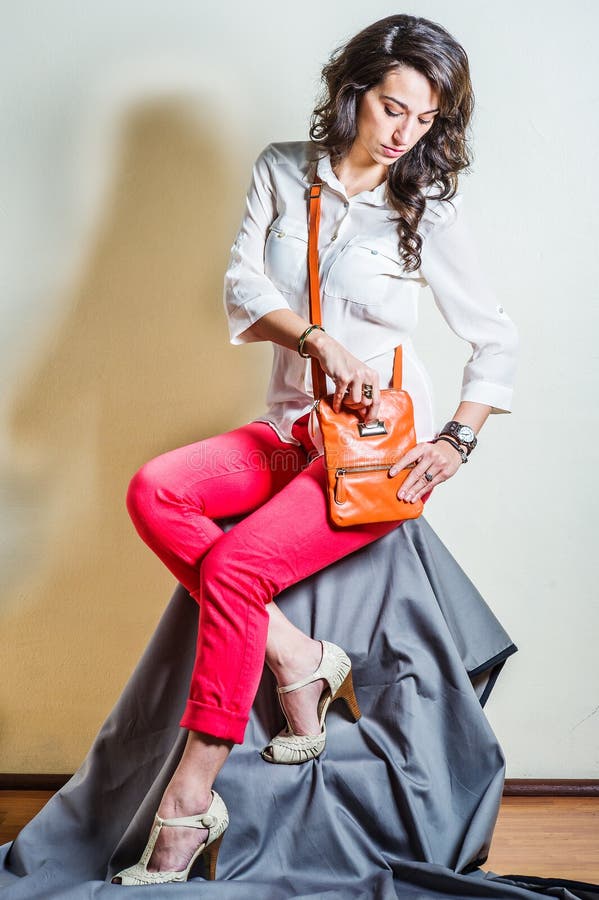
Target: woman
point(388, 142)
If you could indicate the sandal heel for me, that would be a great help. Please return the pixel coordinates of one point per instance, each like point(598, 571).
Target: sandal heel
point(346, 691)
point(215, 819)
point(335, 668)
point(211, 854)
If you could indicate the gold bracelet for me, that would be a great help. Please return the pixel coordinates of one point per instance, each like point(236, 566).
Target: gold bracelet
point(300, 343)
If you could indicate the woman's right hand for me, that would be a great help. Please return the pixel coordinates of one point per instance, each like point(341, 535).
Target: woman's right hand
point(347, 371)
point(284, 326)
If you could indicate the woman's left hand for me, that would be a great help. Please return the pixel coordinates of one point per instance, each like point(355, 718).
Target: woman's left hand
point(440, 460)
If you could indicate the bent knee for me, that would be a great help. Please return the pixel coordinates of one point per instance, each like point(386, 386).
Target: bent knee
point(141, 496)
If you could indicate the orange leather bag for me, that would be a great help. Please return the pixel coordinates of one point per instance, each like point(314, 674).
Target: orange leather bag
point(357, 455)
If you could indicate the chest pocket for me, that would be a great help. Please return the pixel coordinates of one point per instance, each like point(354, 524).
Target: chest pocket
point(286, 253)
point(369, 272)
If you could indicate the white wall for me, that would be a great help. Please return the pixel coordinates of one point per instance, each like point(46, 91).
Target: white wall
point(235, 76)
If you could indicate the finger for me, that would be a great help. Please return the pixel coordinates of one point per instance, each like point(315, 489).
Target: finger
point(372, 403)
point(371, 409)
point(411, 492)
point(356, 391)
point(417, 494)
point(356, 408)
point(376, 400)
point(425, 463)
point(416, 479)
point(365, 412)
point(409, 459)
point(375, 409)
point(339, 394)
point(349, 401)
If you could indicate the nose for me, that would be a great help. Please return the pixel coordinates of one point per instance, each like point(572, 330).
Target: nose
point(404, 133)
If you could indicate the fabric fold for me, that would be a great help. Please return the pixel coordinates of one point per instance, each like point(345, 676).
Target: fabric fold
point(402, 803)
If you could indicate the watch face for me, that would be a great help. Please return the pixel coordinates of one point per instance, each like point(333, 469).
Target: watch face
point(465, 433)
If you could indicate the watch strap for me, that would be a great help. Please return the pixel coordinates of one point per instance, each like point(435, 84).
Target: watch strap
point(452, 428)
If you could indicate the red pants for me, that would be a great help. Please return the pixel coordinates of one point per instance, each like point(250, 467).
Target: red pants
point(173, 500)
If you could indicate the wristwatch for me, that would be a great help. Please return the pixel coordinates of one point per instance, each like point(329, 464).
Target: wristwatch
point(464, 434)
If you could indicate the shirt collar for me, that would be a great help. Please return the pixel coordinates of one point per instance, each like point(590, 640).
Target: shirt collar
point(324, 170)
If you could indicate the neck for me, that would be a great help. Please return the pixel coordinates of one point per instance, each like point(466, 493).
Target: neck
point(358, 172)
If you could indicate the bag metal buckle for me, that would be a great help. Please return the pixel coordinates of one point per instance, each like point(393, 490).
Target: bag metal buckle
point(368, 428)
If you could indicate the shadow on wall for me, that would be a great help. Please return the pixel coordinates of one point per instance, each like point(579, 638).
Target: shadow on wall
point(141, 364)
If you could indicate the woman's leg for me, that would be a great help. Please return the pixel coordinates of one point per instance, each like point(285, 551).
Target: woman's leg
point(174, 497)
point(172, 500)
point(277, 545)
point(282, 542)
point(291, 654)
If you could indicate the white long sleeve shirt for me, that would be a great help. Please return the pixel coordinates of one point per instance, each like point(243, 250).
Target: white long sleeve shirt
point(369, 302)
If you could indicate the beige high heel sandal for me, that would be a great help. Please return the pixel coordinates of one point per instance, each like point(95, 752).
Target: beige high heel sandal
point(291, 749)
point(216, 819)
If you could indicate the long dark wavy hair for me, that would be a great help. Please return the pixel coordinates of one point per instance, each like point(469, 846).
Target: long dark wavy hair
point(441, 153)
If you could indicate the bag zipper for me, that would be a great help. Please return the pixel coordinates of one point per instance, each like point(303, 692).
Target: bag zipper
point(344, 470)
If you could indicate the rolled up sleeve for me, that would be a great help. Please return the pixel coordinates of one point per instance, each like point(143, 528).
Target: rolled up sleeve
point(248, 293)
point(452, 269)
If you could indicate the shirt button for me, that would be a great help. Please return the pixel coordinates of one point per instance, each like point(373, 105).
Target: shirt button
point(281, 234)
point(500, 309)
point(374, 252)
point(346, 204)
point(334, 237)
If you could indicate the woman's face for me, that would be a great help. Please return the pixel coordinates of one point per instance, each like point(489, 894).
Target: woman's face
point(395, 114)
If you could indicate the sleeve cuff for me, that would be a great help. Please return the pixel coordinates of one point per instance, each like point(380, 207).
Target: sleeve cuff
point(497, 396)
point(241, 317)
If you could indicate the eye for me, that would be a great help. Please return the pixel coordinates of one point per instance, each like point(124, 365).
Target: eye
point(395, 115)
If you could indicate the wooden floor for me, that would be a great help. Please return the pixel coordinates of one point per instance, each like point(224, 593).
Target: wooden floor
point(553, 837)
point(539, 836)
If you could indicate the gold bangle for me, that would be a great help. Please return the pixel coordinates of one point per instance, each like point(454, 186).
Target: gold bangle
point(300, 343)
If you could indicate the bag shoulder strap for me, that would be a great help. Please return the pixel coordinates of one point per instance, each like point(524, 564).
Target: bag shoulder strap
point(318, 374)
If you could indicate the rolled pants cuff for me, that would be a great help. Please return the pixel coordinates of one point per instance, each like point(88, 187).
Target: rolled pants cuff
point(220, 723)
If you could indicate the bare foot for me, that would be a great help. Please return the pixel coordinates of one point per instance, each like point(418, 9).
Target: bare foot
point(301, 704)
point(176, 844)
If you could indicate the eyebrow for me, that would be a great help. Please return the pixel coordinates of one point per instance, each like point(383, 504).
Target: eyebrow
point(405, 105)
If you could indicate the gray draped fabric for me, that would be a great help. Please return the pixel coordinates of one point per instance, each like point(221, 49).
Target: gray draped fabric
point(402, 803)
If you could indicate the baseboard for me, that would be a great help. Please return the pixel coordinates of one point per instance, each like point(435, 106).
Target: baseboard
point(513, 787)
point(32, 782)
point(551, 787)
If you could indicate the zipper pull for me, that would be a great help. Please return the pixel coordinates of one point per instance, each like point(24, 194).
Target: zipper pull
point(339, 486)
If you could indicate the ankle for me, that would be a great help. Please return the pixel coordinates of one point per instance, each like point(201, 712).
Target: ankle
point(176, 803)
point(296, 658)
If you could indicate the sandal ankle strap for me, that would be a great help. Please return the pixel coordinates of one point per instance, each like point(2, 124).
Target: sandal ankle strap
point(203, 820)
point(206, 819)
point(315, 676)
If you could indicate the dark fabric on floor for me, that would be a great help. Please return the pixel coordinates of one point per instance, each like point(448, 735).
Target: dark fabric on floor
point(402, 803)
